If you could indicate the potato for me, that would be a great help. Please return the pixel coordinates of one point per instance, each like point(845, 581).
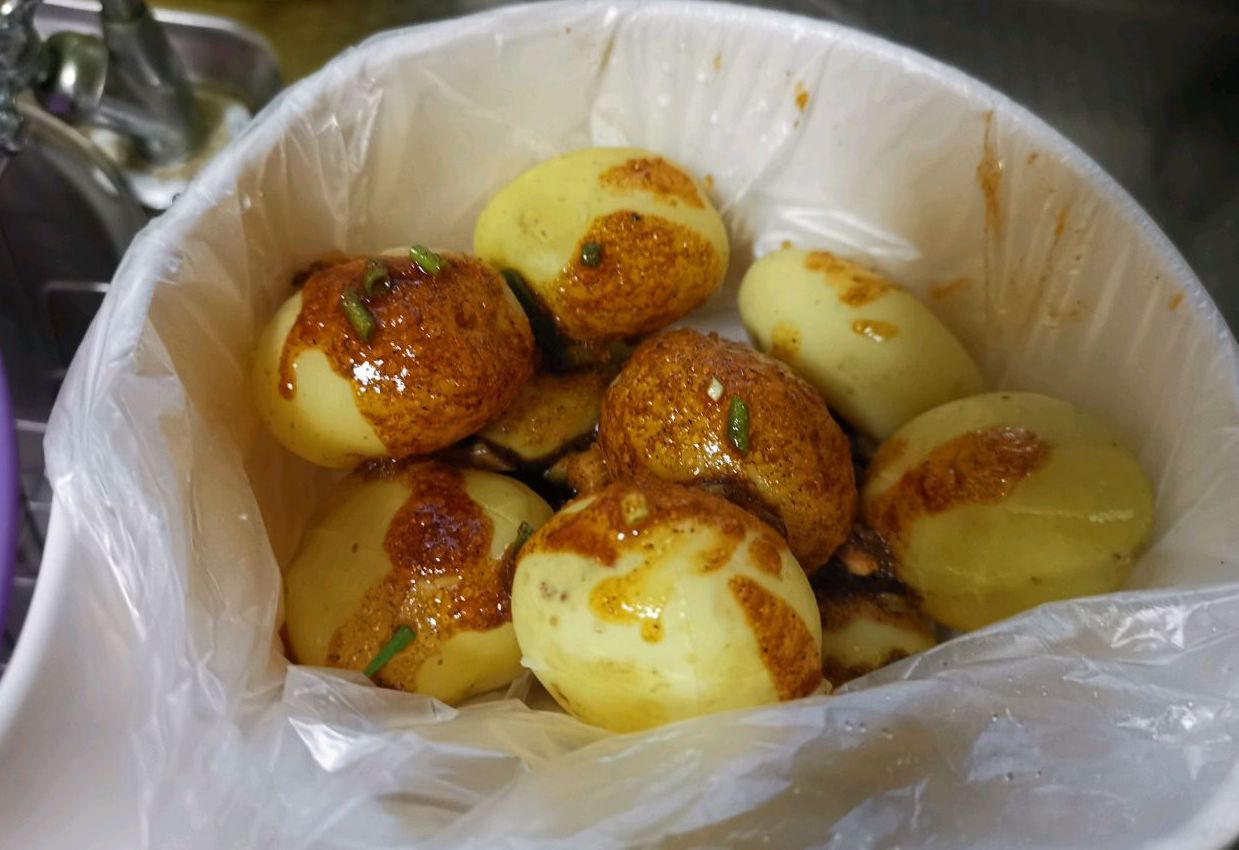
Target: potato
point(863, 630)
point(422, 545)
point(877, 355)
point(999, 502)
point(659, 420)
point(450, 352)
point(650, 602)
point(614, 242)
point(551, 412)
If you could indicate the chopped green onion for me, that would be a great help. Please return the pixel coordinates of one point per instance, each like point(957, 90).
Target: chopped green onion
point(591, 254)
point(547, 336)
point(523, 533)
point(401, 638)
point(359, 316)
point(738, 424)
point(427, 260)
point(715, 392)
point(375, 273)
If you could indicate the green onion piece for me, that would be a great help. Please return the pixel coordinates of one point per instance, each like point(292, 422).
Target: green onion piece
point(359, 316)
point(591, 254)
point(545, 334)
point(402, 637)
point(426, 259)
point(375, 273)
point(523, 533)
point(738, 424)
point(715, 390)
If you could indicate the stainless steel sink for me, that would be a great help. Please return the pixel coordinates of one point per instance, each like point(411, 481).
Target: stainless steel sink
point(67, 213)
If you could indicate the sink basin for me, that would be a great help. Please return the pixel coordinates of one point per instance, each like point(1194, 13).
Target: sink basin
point(67, 213)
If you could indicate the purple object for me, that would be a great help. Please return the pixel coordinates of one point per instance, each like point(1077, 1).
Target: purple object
point(8, 497)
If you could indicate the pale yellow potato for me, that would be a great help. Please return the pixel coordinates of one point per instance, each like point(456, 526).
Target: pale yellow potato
point(449, 353)
point(363, 569)
point(997, 503)
point(664, 247)
point(324, 425)
point(863, 631)
point(875, 353)
point(552, 411)
point(651, 602)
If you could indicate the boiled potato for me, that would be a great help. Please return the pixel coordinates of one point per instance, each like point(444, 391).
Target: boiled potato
point(660, 420)
point(878, 356)
point(650, 602)
point(421, 545)
point(863, 630)
point(999, 502)
point(449, 352)
point(614, 242)
point(551, 412)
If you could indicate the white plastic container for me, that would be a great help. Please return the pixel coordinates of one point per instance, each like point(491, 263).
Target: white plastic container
point(148, 698)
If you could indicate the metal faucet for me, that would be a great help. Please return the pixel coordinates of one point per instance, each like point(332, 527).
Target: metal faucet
point(130, 81)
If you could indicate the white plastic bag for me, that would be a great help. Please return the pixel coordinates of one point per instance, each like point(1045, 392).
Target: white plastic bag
point(1097, 723)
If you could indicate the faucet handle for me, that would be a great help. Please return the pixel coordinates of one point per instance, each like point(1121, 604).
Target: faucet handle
point(19, 63)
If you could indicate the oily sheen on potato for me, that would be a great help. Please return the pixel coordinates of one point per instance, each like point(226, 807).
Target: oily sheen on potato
point(651, 602)
point(614, 242)
point(449, 352)
point(668, 416)
point(877, 355)
point(422, 545)
point(999, 502)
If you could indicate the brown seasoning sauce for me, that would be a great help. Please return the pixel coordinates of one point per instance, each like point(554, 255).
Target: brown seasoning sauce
point(860, 287)
point(980, 467)
point(653, 175)
point(652, 271)
point(786, 645)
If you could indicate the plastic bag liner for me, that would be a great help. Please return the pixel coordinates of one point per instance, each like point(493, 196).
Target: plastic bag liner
point(1093, 723)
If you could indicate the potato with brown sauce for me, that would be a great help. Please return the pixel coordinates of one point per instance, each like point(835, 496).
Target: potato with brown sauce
point(651, 602)
point(380, 357)
point(669, 416)
point(421, 546)
point(614, 243)
point(553, 411)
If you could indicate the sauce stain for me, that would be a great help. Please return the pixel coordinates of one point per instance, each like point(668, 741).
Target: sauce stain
point(784, 641)
point(1060, 222)
point(989, 179)
point(766, 554)
point(785, 244)
point(977, 468)
point(802, 97)
point(709, 181)
point(654, 175)
point(875, 329)
point(856, 286)
point(442, 579)
point(1032, 157)
point(602, 530)
point(652, 272)
point(718, 61)
point(1176, 301)
point(950, 287)
point(628, 599)
point(784, 341)
point(448, 348)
